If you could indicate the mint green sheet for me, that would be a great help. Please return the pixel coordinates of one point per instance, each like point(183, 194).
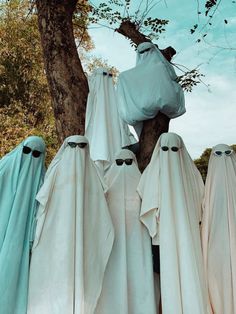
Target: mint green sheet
point(21, 175)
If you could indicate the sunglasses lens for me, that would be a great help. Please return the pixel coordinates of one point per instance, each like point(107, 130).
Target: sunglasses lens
point(128, 162)
point(165, 148)
point(218, 153)
point(119, 162)
point(82, 145)
point(110, 74)
point(36, 153)
point(104, 73)
point(72, 144)
point(26, 150)
point(228, 152)
point(174, 149)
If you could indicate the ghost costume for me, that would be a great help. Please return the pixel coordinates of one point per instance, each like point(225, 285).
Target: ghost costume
point(128, 286)
point(106, 132)
point(21, 175)
point(171, 189)
point(73, 238)
point(149, 87)
point(219, 229)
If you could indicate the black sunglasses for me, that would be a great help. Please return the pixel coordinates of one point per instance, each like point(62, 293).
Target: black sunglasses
point(73, 144)
point(108, 74)
point(173, 148)
point(28, 150)
point(127, 161)
point(227, 152)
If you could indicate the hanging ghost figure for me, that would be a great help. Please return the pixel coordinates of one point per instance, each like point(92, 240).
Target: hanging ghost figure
point(106, 132)
point(128, 286)
point(171, 189)
point(21, 175)
point(74, 235)
point(219, 229)
point(148, 88)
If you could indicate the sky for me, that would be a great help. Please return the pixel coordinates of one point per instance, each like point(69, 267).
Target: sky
point(210, 110)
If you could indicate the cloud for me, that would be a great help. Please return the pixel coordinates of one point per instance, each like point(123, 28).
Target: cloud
point(113, 47)
point(209, 117)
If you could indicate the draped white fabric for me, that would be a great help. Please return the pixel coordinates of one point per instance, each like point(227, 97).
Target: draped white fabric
point(74, 236)
point(106, 132)
point(171, 189)
point(149, 87)
point(128, 286)
point(219, 229)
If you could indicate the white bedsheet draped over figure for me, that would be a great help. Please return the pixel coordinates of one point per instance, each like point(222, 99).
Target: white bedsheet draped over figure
point(21, 175)
point(149, 87)
point(128, 286)
point(106, 132)
point(74, 235)
point(171, 189)
point(219, 229)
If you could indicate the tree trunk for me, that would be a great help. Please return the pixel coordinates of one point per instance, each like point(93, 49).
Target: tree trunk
point(151, 131)
point(66, 79)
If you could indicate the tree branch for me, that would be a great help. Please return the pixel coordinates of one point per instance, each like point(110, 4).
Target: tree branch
point(130, 31)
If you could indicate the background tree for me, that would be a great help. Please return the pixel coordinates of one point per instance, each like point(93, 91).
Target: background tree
point(25, 102)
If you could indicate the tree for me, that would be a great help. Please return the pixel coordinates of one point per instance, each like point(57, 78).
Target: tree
point(67, 81)
point(202, 162)
point(25, 102)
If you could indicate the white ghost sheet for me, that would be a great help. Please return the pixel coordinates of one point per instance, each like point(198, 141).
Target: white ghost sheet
point(219, 229)
point(171, 189)
point(106, 132)
point(74, 235)
point(128, 286)
point(149, 87)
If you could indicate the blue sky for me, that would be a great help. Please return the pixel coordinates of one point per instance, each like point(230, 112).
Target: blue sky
point(210, 117)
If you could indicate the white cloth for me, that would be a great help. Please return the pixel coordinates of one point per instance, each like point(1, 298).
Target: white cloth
point(74, 236)
point(171, 189)
point(128, 286)
point(106, 132)
point(219, 230)
point(149, 87)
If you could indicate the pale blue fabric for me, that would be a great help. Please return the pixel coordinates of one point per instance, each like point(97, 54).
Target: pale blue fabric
point(148, 88)
point(21, 175)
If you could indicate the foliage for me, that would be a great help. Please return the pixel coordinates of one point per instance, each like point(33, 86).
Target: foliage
point(202, 162)
point(25, 103)
point(80, 25)
point(117, 11)
point(25, 106)
point(190, 79)
point(14, 129)
point(91, 62)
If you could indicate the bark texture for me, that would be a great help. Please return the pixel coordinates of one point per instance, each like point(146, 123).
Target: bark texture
point(130, 31)
point(66, 79)
point(151, 131)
